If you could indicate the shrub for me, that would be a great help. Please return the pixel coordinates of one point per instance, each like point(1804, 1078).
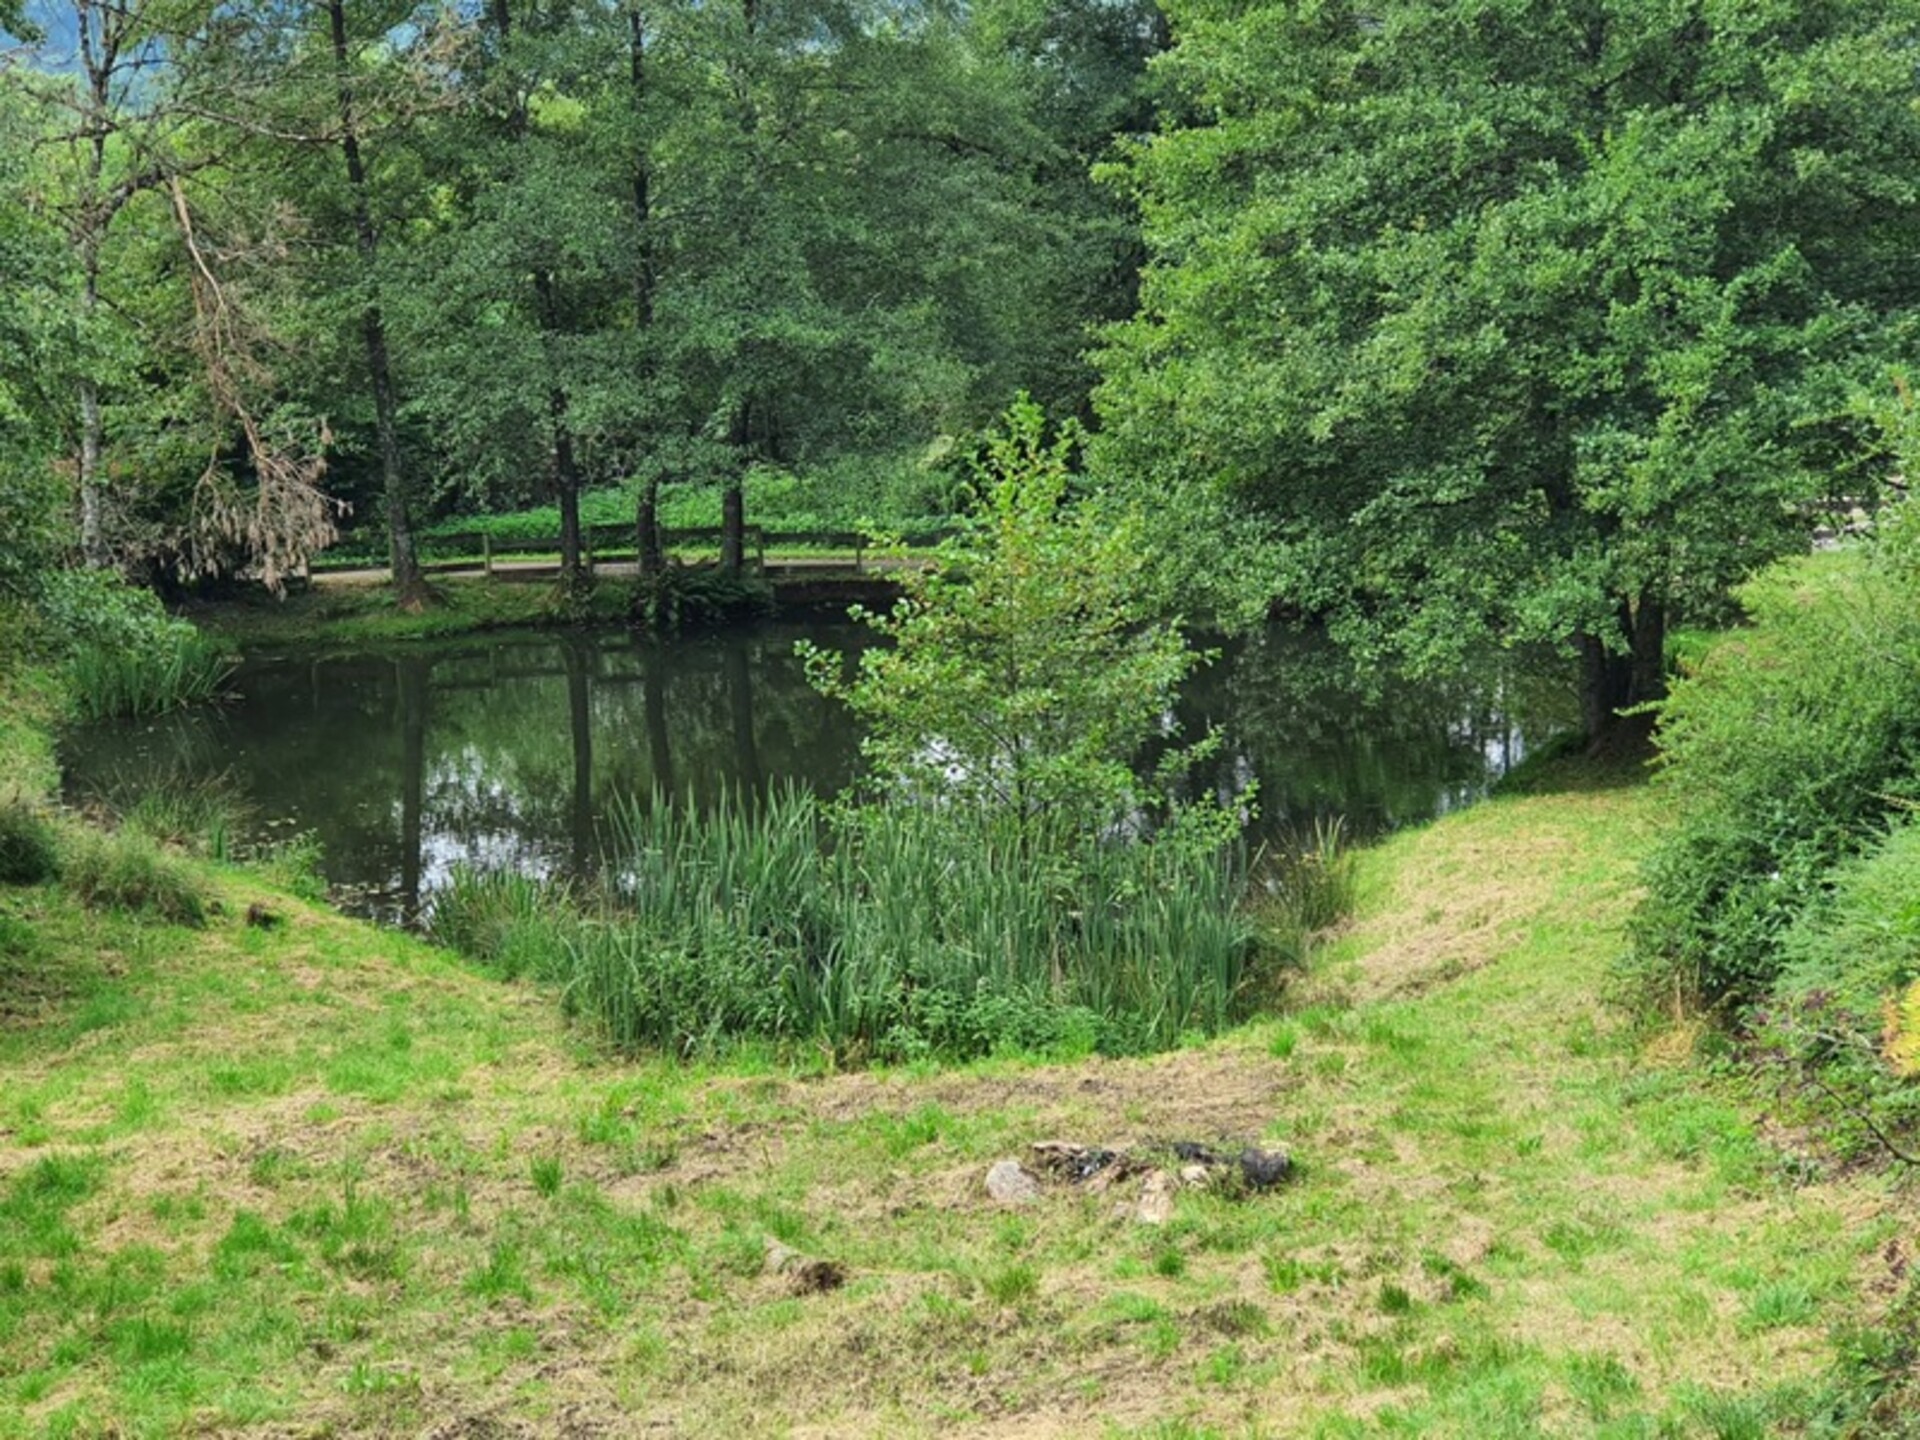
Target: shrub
point(28, 850)
point(684, 597)
point(1782, 755)
point(1029, 668)
point(126, 655)
point(126, 870)
point(1841, 1012)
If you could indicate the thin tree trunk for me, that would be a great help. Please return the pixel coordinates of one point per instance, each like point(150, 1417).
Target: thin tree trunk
point(98, 54)
point(733, 500)
point(93, 537)
point(565, 470)
point(403, 558)
point(652, 558)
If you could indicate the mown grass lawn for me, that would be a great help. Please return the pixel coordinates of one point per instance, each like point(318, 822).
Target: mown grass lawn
point(317, 1179)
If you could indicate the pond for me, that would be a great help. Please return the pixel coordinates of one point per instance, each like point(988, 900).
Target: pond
point(514, 748)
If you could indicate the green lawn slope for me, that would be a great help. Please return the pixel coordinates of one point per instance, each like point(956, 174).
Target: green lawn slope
point(313, 1179)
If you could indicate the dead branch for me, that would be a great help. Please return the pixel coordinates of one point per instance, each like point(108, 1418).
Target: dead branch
point(286, 517)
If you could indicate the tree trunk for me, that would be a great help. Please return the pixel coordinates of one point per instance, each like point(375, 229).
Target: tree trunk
point(1649, 680)
point(93, 533)
point(402, 557)
point(99, 52)
point(1614, 678)
point(566, 488)
point(733, 500)
point(642, 180)
point(733, 526)
point(652, 559)
point(565, 470)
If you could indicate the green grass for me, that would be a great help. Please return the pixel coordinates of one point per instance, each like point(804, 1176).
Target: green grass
point(354, 615)
point(325, 1179)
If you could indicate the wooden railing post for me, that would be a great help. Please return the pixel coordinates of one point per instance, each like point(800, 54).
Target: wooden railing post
point(486, 553)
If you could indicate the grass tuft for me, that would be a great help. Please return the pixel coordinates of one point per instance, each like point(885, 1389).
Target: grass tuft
point(125, 870)
point(29, 849)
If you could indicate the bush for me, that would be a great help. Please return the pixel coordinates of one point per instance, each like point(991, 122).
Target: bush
point(686, 597)
point(125, 870)
point(1782, 755)
point(126, 655)
point(1027, 670)
point(1836, 1014)
point(29, 852)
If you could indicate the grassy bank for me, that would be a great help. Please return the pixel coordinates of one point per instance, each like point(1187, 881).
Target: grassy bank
point(347, 614)
point(316, 1177)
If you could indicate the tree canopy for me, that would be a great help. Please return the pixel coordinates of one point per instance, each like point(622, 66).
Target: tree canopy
point(1533, 316)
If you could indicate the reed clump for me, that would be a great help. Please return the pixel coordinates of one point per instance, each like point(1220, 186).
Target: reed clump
point(178, 666)
point(1304, 886)
point(887, 932)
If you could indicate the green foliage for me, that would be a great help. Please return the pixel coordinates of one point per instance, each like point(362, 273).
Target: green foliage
point(29, 850)
point(125, 654)
point(1514, 318)
point(1026, 671)
point(685, 597)
point(1833, 1017)
point(125, 870)
point(890, 933)
point(1784, 752)
point(509, 922)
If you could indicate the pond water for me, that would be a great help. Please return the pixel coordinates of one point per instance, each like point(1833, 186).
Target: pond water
point(512, 749)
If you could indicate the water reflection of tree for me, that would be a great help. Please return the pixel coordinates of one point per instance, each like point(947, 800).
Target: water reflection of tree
point(511, 749)
point(1326, 735)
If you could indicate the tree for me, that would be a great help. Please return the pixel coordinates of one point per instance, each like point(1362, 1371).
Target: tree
point(1539, 318)
point(1025, 674)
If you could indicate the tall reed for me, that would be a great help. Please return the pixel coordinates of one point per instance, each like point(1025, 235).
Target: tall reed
point(897, 930)
point(180, 666)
